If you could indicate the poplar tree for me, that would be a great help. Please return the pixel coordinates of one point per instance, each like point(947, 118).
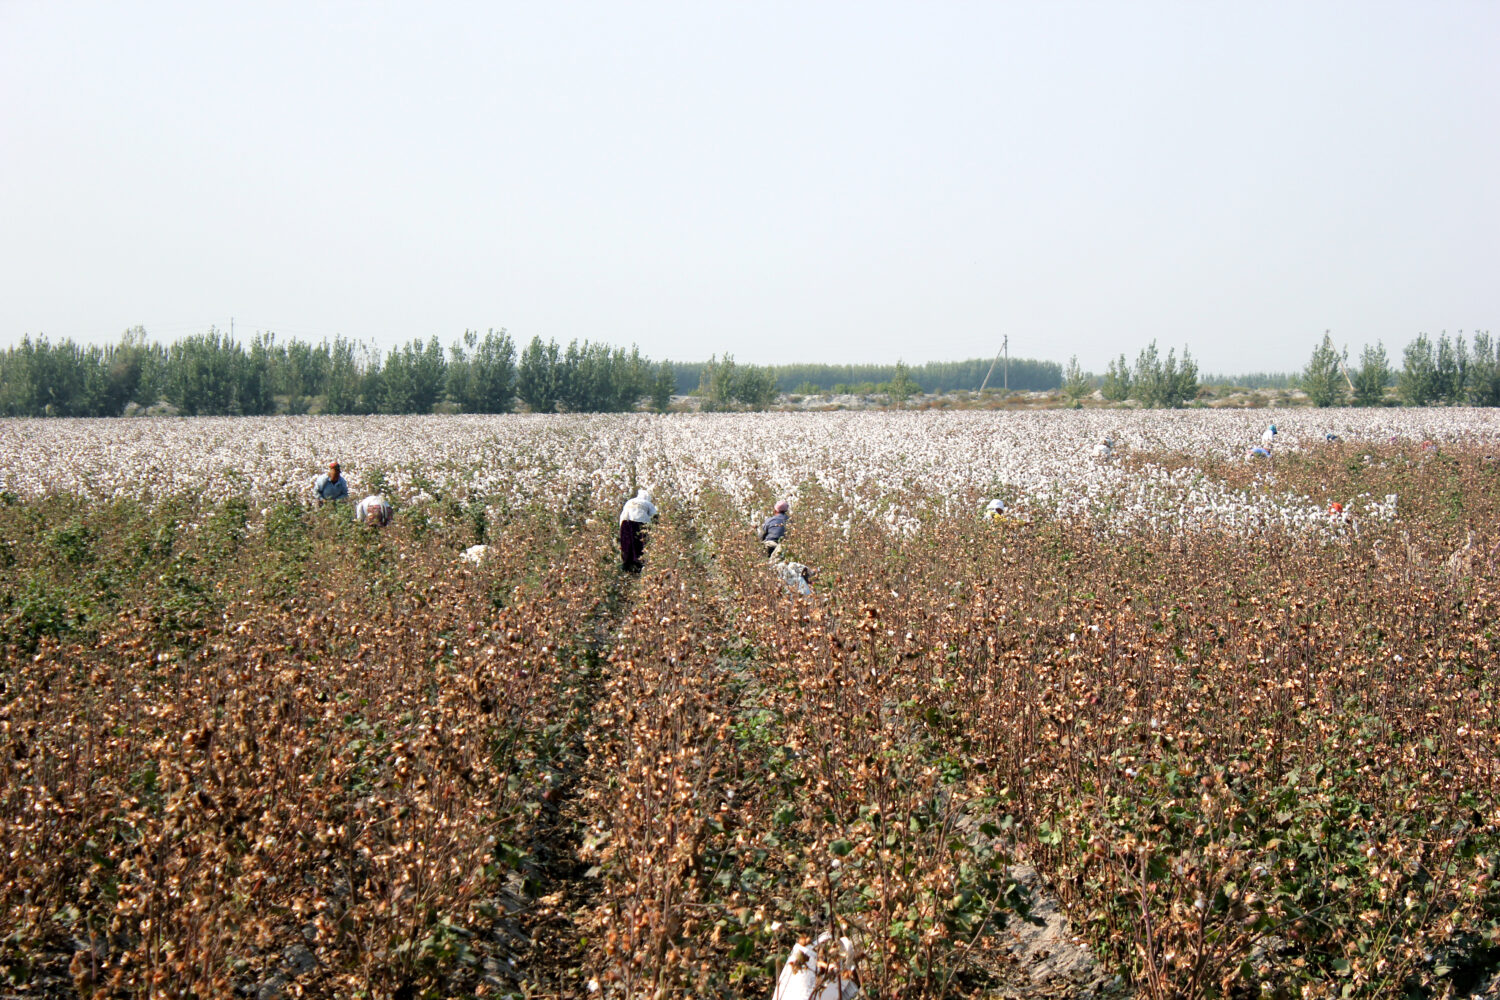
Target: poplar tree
point(1323, 378)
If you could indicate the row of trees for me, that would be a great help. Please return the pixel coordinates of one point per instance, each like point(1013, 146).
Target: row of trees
point(1442, 372)
point(1152, 381)
point(1449, 371)
point(722, 384)
point(935, 376)
point(1024, 375)
point(212, 373)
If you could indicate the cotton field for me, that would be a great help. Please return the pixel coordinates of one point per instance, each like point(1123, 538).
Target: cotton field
point(1233, 716)
point(1161, 473)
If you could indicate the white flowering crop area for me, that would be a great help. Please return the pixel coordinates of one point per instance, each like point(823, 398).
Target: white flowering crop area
point(1160, 472)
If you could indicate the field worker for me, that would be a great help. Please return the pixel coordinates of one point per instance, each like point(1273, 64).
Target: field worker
point(331, 486)
point(995, 509)
point(1104, 450)
point(1268, 437)
point(803, 977)
point(774, 530)
point(634, 517)
point(1258, 452)
point(795, 577)
point(1342, 517)
point(374, 511)
point(1330, 437)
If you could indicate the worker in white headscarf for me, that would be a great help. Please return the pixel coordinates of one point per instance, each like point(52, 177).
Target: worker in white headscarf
point(803, 977)
point(374, 511)
point(634, 517)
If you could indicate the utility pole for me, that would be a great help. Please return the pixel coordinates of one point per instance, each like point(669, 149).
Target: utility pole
point(1343, 368)
point(1004, 349)
point(990, 372)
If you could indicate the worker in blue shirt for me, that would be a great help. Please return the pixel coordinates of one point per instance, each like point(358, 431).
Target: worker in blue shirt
point(332, 486)
point(774, 530)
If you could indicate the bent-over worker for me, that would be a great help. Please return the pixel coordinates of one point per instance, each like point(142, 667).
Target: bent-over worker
point(774, 530)
point(634, 517)
point(374, 511)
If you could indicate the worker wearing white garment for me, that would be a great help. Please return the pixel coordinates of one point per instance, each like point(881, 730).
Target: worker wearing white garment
point(803, 978)
point(795, 577)
point(1268, 437)
point(634, 517)
point(374, 511)
point(1103, 450)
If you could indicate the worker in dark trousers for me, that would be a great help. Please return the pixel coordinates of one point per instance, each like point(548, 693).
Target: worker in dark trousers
point(774, 530)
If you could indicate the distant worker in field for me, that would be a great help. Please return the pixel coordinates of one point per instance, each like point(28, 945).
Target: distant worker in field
point(995, 510)
point(795, 577)
point(1268, 437)
point(331, 486)
point(635, 516)
point(774, 530)
point(1259, 451)
point(1341, 517)
point(1104, 450)
point(374, 511)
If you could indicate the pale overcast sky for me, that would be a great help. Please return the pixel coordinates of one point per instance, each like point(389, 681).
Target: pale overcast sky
point(840, 182)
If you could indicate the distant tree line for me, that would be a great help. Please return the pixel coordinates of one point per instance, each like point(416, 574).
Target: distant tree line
point(1448, 372)
point(1253, 380)
point(1026, 375)
point(1152, 381)
point(212, 373)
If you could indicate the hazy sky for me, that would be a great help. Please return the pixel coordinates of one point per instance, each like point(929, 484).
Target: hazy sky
point(783, 181)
